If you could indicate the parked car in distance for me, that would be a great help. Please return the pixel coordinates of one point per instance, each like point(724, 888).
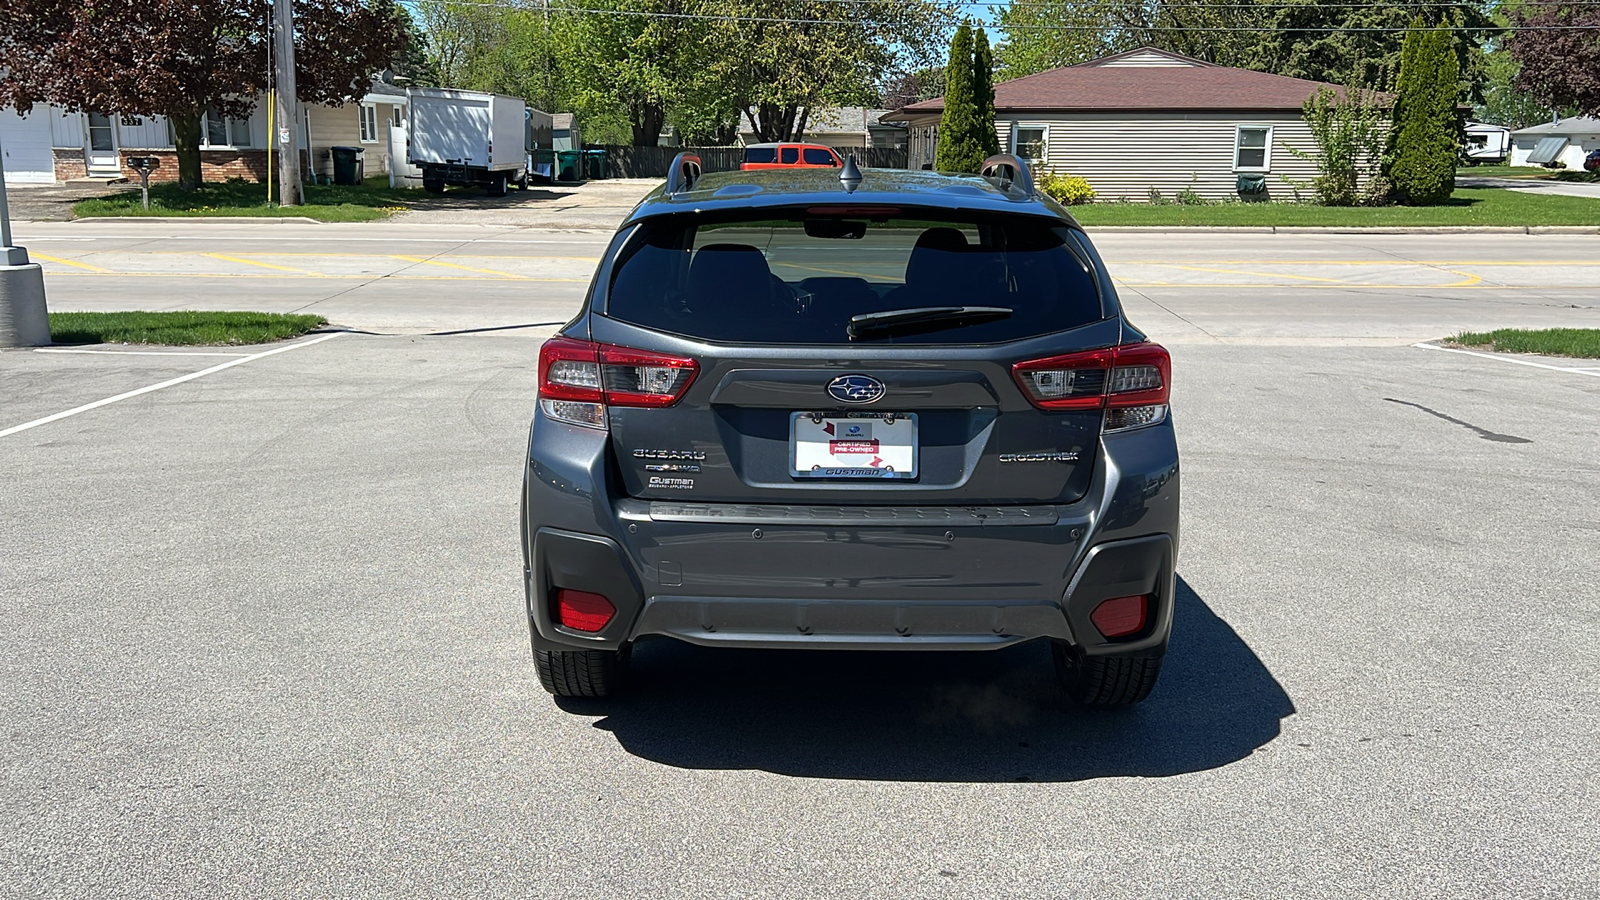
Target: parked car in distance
point(789, 156)
point(852, 410)
point(1591, 163)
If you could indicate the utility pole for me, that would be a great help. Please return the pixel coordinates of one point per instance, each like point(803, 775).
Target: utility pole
point(287, 112)
point(24, 319)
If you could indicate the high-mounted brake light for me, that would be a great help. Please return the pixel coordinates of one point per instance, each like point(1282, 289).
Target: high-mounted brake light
point(579, 379)
point(1131, 382)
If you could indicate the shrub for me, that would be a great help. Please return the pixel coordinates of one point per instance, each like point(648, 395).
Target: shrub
point(1190, 197)
point(1348, 131)
point(1426, 130)
point(1067, 190)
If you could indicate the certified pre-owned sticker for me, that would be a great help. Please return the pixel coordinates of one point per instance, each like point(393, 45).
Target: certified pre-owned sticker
point(671, 484)
point(1068, 456)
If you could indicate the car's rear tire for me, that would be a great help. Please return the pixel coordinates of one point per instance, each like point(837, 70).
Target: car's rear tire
point(581, 673)
point(433, 185)
point(1104, 681)
point(497, 185)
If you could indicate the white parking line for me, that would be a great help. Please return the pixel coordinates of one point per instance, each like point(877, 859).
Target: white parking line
point(165, 384)
point(1510, 359)
point(136, 352)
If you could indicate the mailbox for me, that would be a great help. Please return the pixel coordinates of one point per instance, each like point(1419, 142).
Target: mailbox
point(144, 165)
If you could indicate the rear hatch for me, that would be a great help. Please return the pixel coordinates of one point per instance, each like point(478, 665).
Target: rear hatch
point(838, 356)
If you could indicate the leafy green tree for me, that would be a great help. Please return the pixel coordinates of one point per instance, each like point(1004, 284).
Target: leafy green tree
point(1504, 103)
point(1427, 128)
point(960, 147)
point(1046, 34)
point(983, 92)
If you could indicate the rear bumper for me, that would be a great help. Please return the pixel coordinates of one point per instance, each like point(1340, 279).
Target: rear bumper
point(854, 577)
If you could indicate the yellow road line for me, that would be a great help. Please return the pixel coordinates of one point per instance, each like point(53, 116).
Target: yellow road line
point(68, 262)
point(594, 259)
point(435, 262)
point(1254, 274)
point(1371, 262)
point(250, 262)
point(368, 277)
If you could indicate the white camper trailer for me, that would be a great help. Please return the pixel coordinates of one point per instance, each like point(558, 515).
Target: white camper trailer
point(1487, 144)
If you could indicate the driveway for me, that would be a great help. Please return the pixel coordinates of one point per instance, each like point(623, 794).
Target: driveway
point(593, 204)
point(1534, 186)
point(53, 202)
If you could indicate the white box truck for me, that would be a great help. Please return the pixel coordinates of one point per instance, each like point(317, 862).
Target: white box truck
point(468, 137)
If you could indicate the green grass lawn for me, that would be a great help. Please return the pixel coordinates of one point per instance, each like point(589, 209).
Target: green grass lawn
point(178, 328)
point(1584, 342)
point(325, 202)
point(1469, 206)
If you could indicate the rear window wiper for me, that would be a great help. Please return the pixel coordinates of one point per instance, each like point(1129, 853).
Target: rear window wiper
point(921, 320)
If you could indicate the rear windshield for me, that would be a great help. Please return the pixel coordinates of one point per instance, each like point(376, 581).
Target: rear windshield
point(801, 277)
point(760, 154)
point(816, 156)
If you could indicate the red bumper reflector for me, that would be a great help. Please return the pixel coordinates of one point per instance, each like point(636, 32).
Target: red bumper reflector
point(1121, 616)
point(583, 611)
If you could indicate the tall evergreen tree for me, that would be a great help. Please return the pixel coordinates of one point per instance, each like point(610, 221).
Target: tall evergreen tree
point(983, 92)
point(1427, 130)
point(960, 149)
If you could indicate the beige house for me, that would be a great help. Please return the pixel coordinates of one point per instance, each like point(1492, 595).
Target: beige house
point(54, 144)
point(1148, 119)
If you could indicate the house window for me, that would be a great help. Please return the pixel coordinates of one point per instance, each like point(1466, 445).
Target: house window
point(396, 121)
point(1028, 141)
point(1252, 149)
point(369, 123)
point(221, 132)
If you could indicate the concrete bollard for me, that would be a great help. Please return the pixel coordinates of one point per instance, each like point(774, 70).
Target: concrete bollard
point(24, 321)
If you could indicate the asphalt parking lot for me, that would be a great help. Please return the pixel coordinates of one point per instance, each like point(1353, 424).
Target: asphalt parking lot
point(263, 632)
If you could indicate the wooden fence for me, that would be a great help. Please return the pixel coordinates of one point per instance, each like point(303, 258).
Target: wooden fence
point(652, 162)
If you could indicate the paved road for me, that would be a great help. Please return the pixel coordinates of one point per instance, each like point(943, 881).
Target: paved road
point(1199, 287)
point(261, 631)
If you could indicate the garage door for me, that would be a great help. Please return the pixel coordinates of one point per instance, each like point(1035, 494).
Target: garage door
point(27, 146)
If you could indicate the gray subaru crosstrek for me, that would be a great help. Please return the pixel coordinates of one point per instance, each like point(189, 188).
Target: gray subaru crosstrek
point(847, 409)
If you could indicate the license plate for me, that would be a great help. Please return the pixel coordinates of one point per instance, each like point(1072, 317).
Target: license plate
point(853, 445)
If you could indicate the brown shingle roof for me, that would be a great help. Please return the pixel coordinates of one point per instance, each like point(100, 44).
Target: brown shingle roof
point(1090, 86)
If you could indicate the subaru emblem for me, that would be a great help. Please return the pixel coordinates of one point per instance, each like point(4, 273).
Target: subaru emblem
point(855, 389)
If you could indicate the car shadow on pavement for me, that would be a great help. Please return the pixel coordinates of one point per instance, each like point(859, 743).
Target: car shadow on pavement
point(958, 717)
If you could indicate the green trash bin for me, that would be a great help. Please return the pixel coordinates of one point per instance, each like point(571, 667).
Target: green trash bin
point(347, 165)
point(569, 165)
point(596, 163)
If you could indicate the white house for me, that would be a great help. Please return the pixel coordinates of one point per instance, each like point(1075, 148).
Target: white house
point(1148, 119)
point(1566, 141)
point(50, 144)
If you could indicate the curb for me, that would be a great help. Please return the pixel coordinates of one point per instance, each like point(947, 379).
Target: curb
point(227, 220)
point(1341, 229)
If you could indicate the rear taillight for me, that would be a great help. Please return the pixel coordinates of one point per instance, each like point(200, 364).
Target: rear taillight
point(578, 379)
point(1131, 383)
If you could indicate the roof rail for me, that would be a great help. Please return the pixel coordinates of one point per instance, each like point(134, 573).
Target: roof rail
point(684, 173)
point(1007, 171)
